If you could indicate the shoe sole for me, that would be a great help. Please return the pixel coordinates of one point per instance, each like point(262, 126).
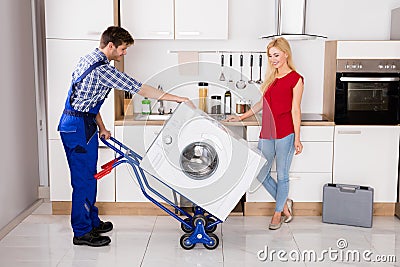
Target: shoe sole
point(82, 242)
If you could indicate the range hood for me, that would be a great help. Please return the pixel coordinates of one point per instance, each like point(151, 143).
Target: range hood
point(291, 21)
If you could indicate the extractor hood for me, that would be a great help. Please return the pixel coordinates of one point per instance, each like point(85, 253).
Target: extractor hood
point(291, 21)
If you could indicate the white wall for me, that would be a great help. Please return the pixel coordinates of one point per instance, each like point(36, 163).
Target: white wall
point(19, 178)
point(248, 20)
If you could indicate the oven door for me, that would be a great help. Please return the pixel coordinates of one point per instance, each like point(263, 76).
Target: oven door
point(367, 98)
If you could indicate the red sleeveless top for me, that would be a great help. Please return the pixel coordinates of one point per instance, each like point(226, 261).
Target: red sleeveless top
point(277, 119)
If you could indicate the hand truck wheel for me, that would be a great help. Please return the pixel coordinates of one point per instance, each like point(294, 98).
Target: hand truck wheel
point(185, 228)
point(199, 218)
point(216, 242)
point(185, 242)
point(212, 229)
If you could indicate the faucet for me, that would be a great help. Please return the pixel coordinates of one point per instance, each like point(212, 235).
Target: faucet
point(161, 102)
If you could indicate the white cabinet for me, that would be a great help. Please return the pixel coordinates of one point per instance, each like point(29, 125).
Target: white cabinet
point(73, 29)
point(60, 183)
point(179, 19)
point(78, 19)
point(207, 19)
point(308, 172)
point(148, 19)
point(138, 138)
point(368, 155)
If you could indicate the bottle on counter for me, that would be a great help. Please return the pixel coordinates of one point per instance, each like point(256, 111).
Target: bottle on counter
point(203, 92)
point(227, 103)
point(146, 106)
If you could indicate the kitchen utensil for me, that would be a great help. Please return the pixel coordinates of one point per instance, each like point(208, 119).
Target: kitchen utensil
point(251, 70)
point(259, 81)
point(222, 76)
point(230, 69)
point(241, 84)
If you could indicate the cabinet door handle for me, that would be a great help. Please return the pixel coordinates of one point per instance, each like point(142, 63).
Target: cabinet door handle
point(349, 132)
point(291, 177)
point(161, 33)
point(189, 33)
point(96, 33)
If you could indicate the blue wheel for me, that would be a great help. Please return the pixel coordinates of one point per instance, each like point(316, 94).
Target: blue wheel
point(212, 229)
point(185, 242)
point(215, 240)
point(185, 228)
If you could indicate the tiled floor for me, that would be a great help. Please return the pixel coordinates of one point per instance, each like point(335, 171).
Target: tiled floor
point(46, 240)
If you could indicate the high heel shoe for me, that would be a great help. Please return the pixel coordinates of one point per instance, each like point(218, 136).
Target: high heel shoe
point(289, 203)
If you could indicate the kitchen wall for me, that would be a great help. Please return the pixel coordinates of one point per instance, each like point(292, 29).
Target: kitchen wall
point(19, 178)
point(248, 20)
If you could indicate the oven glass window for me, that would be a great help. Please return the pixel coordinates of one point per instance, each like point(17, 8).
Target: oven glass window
point(368, 96)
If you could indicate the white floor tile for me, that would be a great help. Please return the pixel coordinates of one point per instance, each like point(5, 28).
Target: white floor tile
point(46, 240)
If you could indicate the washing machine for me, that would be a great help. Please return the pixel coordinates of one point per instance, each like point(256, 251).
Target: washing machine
point(203, 161)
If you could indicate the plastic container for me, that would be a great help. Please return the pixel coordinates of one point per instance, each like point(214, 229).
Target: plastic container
point(203, 92)
point(146, 106)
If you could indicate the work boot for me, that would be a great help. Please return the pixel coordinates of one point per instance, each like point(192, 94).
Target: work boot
point(103, 227)
point(92, 239)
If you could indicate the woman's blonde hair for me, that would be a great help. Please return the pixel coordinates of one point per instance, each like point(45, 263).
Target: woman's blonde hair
point(271, 73)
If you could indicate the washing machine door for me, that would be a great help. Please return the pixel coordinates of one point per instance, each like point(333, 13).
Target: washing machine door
point(199, 160)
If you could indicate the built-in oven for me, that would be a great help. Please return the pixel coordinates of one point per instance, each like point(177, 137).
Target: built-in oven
point(367, 91)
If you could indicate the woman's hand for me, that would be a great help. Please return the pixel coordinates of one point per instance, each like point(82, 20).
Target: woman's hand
point(298, 146)
point(233, 118)
point(181, 99)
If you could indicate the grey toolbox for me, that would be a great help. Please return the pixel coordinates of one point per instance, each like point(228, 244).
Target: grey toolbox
point(348, 204)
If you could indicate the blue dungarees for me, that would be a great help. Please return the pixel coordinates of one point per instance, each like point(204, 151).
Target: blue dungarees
point(78, 134)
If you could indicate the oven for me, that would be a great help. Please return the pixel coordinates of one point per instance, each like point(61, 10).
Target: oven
point(367, 92)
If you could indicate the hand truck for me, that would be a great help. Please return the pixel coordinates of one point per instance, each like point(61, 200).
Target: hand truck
point(198, 227)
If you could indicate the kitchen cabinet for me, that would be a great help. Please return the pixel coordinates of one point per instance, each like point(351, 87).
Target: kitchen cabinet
point(368, 155)
point(308, 172)
point(60, 183)
point(138, 138)
point(73, 29)
point(78, 19)
point(179, 19)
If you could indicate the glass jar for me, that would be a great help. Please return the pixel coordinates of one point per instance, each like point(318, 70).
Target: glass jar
point(215, 104)
point(203, 92)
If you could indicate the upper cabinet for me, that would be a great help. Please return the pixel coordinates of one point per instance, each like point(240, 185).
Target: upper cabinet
point(78, 19)
point(179, 19)
point(148, 19)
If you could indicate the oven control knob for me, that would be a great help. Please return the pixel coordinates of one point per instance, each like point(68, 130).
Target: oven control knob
point(168, 140)
point(380, 66)
point(393, 66)
point(360, 66)
point(387, 66)
point(347, 66)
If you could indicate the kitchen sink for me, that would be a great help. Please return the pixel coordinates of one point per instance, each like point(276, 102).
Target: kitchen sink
point(152, 117)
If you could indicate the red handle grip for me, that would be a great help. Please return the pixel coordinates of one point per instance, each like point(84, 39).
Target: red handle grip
point(105, 171)
point(109, 163)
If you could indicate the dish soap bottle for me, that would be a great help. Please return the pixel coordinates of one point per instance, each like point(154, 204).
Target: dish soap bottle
point(227, 103)
point(146, 106)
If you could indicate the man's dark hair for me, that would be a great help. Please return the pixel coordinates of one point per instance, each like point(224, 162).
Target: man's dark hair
point(116, 35)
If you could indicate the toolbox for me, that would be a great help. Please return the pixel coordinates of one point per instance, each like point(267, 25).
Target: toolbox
point(347, 204)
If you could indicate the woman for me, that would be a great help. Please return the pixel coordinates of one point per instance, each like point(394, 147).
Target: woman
point(280, 132)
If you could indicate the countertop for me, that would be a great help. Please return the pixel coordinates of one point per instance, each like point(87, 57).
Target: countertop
point(308, 119)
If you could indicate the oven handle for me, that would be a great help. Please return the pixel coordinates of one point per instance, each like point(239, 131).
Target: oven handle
point(369, 79)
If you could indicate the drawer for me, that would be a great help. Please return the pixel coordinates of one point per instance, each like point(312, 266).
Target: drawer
point(316, 157)
point(303, 187)
point(307, 133)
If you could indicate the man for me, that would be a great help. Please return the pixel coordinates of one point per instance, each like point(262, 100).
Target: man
point(92, 80)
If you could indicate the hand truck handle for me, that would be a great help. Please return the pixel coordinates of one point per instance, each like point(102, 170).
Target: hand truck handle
point(103, 172)
point(110, 163)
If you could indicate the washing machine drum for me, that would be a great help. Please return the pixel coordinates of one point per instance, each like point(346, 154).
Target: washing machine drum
point(199, 160)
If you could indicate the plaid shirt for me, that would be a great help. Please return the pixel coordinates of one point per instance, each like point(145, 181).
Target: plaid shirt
point(98, 83)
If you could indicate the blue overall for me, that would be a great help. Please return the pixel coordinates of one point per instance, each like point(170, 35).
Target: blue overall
point(78, 134)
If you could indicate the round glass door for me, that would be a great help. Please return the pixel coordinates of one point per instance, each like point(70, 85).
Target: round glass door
point(199, 160)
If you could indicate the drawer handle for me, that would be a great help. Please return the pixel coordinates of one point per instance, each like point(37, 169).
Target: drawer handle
point(349, 132)
point(162, 33)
